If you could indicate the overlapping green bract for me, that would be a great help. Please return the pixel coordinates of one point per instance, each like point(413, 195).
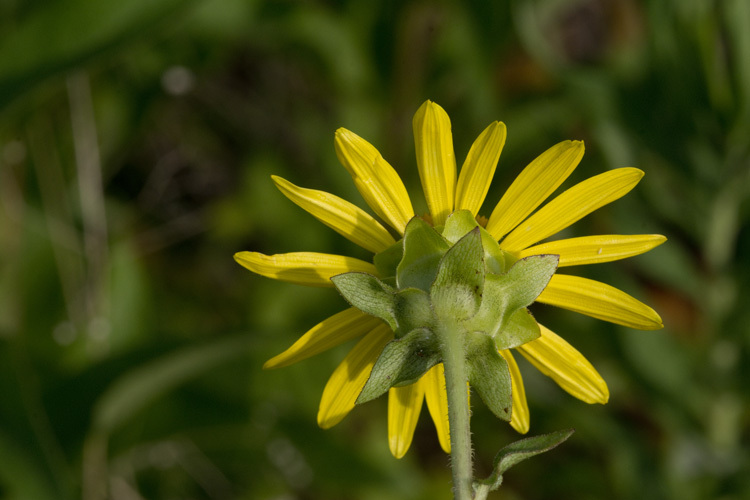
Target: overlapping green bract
point(457, 275)
point(403, 361)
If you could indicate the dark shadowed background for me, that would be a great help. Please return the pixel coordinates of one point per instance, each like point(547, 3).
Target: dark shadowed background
point(136, 143)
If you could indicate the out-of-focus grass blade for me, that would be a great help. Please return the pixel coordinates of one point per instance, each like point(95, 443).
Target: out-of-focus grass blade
point(59, 35)
point(20, 477)
point(737, 14)
point(142, 385)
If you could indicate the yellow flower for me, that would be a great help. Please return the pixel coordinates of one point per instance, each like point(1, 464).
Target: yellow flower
point(511, 223)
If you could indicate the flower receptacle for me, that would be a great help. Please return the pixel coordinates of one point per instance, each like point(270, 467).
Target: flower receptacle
point(449, 279)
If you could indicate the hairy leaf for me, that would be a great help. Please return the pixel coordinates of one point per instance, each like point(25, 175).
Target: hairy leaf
point(403, 361)
point(489, 375)
point(368, 294)
point(457, 290)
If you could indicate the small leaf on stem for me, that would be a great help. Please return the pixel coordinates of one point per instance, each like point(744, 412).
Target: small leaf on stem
point(517, 452)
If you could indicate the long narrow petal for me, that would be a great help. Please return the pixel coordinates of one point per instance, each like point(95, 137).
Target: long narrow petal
point(437, 404)
point(599, 300)
point(537, 181)
point(302, 268)
point(350, 377)
point(435, 159)
point(596, 249)
point(404, 407)
point(560, 361)
point(375, 178)
point(479, 168)
point(519, 418)
point(346, 325)
point(572, 205)
point(345, 218)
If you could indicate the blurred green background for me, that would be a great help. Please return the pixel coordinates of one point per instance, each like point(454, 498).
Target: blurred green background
point(136, 143)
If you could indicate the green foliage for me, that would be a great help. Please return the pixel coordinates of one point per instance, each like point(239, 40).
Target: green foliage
point(73, 32)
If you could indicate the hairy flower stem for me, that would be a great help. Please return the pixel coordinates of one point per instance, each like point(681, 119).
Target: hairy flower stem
point(456, 378)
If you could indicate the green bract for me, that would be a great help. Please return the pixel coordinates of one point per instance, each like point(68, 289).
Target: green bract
point(454, 275)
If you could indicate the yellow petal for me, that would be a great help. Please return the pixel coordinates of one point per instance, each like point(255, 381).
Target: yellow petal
point(347, 381)
point(479, 168)
point(599, 300)
point(437, 404)
point(343, 217)
point(348, 324)
point(435, 159)
point(537, 181)
point(302, 268)
point(519, 418)
point(560, 361)
point(375, 179)
point(572, 205)
point(404, 407)
point(596, 249)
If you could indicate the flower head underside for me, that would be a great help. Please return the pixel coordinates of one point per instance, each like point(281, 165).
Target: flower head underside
point(516, 225)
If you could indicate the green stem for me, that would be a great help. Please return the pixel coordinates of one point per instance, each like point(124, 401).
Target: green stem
point(454, 362)
point(482, 491)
